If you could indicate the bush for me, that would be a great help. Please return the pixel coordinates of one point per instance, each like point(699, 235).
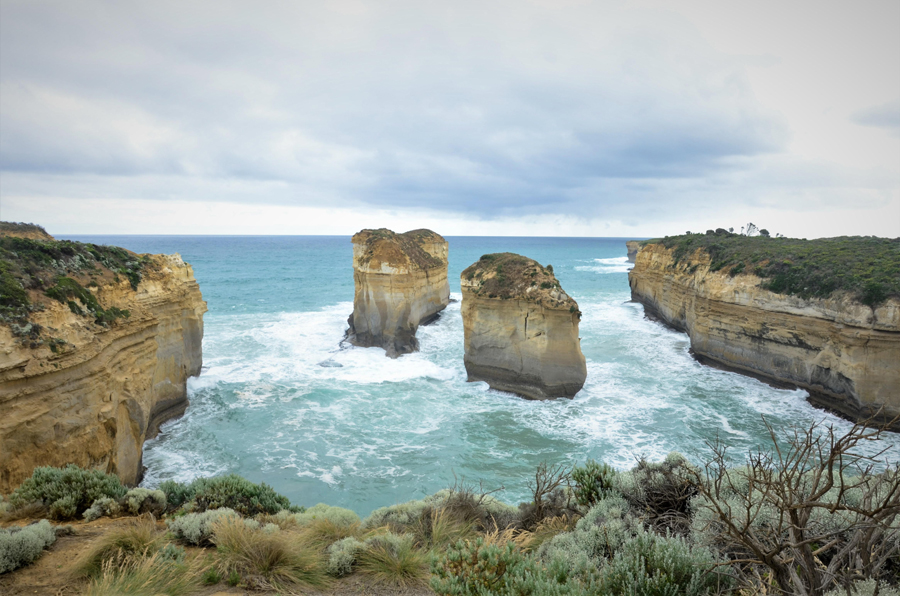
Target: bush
point(277, 557)
point(662, 491)
point(654, 565)
point(598, 535)
point(473, 568)
point(21, 546)
point(197, 528)
point(231, 491)
point(342, 555)
point(592, 481)
point(177, 494)
point(135, 502)
point(866, 588)
point(66, 492)
point(337, 515)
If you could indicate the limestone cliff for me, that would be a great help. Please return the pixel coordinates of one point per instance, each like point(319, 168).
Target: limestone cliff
point(633, 247)
point(843, 352)
point(95, 352)
point(400, 283)
point(521, 328)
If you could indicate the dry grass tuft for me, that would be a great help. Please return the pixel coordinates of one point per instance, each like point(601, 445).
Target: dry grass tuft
point(439, 528)
point(394, 560)
point(324, 532)
point(139, 576)
point(116, 546)
point(279, 559)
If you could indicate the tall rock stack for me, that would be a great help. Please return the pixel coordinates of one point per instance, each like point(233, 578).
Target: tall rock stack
point(633, 246)
point(400, 283)
point(521, 328)
point(91, 373)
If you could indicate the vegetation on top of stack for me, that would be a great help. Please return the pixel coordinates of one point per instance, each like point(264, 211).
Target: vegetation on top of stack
point(865, 267)
point(24, 230)
point(62, 270)
point(391, 247)
point(508, 275)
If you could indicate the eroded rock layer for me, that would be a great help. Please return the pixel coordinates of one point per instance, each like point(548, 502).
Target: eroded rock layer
point(400, 283)
point(77, 388)
point(844, 353)
point(521, 328)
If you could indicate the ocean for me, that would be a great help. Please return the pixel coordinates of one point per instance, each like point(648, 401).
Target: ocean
point(281, 401)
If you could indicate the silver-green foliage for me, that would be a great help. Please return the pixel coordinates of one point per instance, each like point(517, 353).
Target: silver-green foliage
point(337, 515)
point(135, 502)
point(66, 492)
point(342, 555)
point(866, 588)
point(21, 546)
point(197, 528)
point(406, 514)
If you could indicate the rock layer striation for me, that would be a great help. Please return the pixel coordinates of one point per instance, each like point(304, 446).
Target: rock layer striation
point(844, 353)
point(90, 392)
point(400, 283)
point(521, 328)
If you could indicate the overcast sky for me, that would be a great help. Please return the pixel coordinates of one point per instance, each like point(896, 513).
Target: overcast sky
point(549, 118)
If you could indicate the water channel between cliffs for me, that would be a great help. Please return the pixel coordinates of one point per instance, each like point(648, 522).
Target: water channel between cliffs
point(367, 431)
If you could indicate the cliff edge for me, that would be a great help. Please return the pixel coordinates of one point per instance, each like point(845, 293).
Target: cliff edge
point(521, 328)
point(400, 283)
point(96, 345)
point(633, 246)
point(822, 315)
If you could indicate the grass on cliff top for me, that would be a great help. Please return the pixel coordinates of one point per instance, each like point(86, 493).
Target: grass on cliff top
point(508, 275)
point(866, 267)
point(13, 227)
point(53, 268)
point(410, 243)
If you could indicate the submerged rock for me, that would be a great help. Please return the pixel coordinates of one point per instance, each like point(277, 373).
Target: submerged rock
point(400, 283)
point(521, 328)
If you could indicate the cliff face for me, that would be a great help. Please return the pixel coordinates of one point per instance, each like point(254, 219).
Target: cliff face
point(89, 379)
point(521, 328)
point(400, 283)
point(844, 353)
point(633, 247)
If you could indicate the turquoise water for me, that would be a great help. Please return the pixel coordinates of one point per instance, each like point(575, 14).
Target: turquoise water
point(375, 431)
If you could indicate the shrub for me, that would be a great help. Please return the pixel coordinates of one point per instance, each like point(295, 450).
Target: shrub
point(393, 559)
point(337, 515)
point(276, 557)
point(135, 502)
point(197, 528)
point(177, 494)
point(66, 492)
point(119, 545)
point(342, 555)
point(651, 565)
point(598, 535)
point(868, 587)
point(592, 481)
point(473, 568)
point(229, 491)
point(21, 546)
point(662, 491)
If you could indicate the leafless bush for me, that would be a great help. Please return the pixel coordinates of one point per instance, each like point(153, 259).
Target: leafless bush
point(813, 511)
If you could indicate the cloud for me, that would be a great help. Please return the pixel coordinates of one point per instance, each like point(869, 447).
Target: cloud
point(480, 110)
point(882, 116)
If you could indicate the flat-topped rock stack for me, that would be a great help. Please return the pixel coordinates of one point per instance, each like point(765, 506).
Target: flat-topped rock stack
point(521, 328)
point(400, 283)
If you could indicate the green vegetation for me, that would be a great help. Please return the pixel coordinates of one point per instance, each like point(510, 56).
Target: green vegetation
point(65, 493)
point(229, 491)
point(410, 244)
point(31, 269)
point(793, 520)
point(21, 546)
point(508, 275)
point(865, 267)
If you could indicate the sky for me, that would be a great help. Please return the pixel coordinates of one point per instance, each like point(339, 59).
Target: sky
point(528, 117)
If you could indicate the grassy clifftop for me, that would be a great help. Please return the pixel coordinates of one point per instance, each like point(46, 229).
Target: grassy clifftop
point(865, 267)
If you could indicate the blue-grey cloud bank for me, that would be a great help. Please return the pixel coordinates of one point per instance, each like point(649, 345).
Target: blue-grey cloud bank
point(632, 112)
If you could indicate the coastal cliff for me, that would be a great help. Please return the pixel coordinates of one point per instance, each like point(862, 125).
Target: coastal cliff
point(400, 283)
point(521, 328)
point(841, 346)
point(633, 247)
point(96, 345)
